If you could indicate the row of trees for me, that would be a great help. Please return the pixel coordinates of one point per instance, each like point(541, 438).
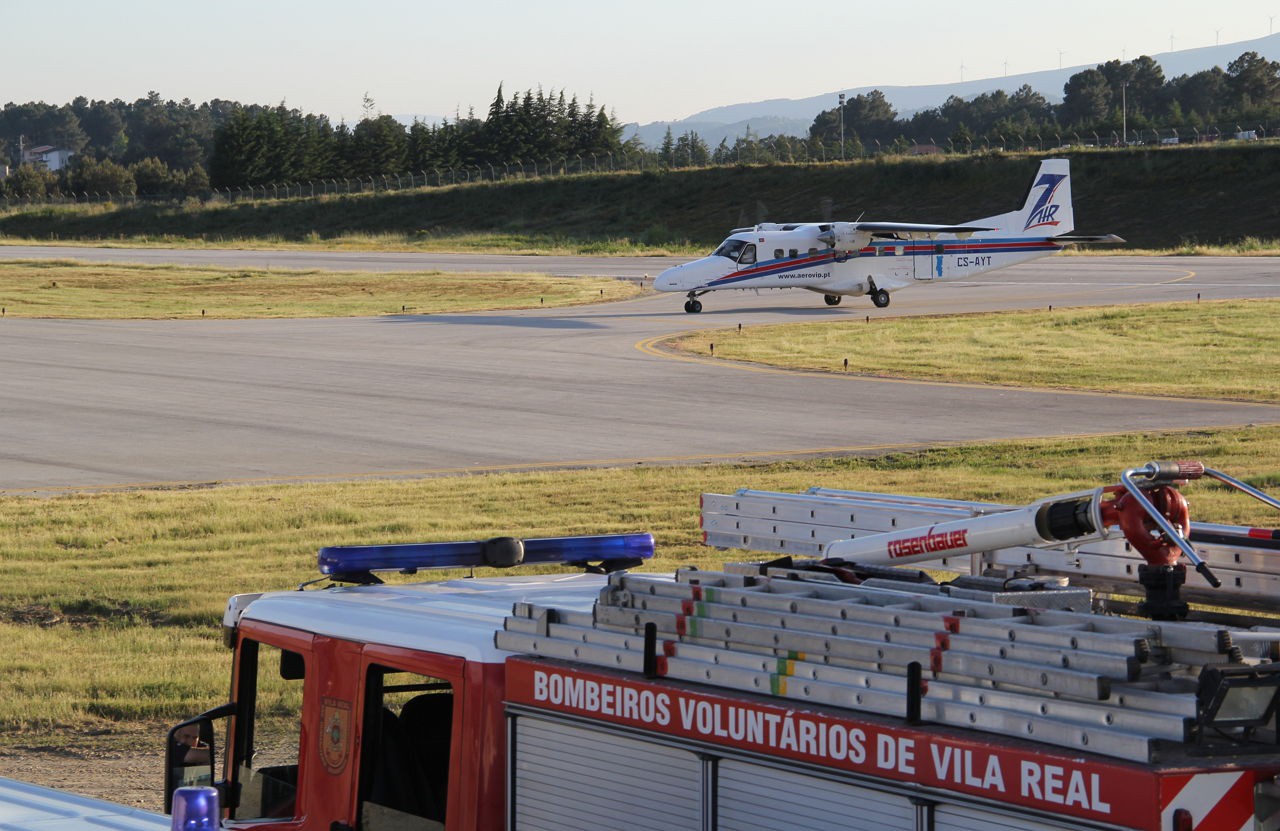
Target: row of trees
point(98, 179)
point(264, 146)
point(1110, 97)
point(156, 147)
point(178, 133)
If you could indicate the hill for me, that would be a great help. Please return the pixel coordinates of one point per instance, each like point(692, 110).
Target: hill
point(794, 116)
point(1153, 197)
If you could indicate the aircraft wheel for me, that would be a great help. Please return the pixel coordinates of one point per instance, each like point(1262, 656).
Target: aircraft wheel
point(695, 306)
point(880, 298)
point(832, 299)
point(688, 306)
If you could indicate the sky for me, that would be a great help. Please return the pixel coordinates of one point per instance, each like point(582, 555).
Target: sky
point(659, 60)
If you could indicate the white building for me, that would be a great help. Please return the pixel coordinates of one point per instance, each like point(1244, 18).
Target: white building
point(52, 158)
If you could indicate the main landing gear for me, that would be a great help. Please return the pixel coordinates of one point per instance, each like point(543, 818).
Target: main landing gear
point(832, 299)
point(879, 297)
point(693, 305)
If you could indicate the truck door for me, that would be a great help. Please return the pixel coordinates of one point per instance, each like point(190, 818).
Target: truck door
point(267, 733)
point(409, 720)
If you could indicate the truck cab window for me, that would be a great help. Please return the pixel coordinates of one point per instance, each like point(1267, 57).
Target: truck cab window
point(269, 731)
point(404, 771)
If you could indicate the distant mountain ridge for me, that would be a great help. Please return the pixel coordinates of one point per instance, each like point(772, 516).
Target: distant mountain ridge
point(793, 116)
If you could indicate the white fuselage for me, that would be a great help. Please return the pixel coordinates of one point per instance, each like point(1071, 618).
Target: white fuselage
point(875, 258)
point(796, 259)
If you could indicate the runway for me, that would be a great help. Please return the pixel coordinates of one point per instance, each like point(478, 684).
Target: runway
point(560, 266)
point(102, 404)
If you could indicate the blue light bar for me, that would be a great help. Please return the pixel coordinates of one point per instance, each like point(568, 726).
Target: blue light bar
point(196, 809)
point(612, 551)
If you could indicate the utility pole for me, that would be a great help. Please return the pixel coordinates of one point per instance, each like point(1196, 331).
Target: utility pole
point(1124, 114)
point(842, 126)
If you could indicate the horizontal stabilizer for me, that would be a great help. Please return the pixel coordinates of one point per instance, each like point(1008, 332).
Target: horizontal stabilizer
point(1085, 239)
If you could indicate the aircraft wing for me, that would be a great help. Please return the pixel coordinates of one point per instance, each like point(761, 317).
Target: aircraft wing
point(916, 228)
point(1083, 239)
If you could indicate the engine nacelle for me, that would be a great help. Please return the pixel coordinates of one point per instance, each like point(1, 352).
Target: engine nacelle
point(845, 236)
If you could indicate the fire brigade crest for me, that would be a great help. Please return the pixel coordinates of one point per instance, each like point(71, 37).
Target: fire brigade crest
point(335, 734)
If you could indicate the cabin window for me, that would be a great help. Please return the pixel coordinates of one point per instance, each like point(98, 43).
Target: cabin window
point(777, 253)
point(408, 735)
point(748, 256)
point(793, 253)
point(270, 731)
point(939, 249)
point(730, 248)
point(812, 251)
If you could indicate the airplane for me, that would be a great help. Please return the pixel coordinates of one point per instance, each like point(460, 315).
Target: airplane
point(839, 259)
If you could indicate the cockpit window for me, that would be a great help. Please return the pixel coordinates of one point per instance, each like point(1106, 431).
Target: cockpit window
point(748, 256)
point(730, 248)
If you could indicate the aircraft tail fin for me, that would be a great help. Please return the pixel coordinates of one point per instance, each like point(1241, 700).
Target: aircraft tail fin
point(1046, 208)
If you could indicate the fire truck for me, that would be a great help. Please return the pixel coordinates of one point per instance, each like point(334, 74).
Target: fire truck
point(1058, 667)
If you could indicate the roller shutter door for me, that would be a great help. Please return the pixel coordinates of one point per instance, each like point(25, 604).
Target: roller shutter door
point(754, 797)
point(568, 778)
point(964, 818)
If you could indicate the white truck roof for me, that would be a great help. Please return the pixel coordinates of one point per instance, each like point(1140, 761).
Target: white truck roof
point(27, 807)
point(452, 617)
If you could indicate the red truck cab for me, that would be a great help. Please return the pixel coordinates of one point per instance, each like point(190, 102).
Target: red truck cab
point(374, 706)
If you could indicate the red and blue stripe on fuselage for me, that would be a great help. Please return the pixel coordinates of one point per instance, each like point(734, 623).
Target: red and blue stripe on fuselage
point(889, 248)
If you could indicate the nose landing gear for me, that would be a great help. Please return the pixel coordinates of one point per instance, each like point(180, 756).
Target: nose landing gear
point(693, 305)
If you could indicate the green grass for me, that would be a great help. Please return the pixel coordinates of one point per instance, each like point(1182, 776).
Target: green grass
point(547, 245)
point(460, 243)
point(68, 289)
point(1156, 198)
point(1222, 349)
point(110, 615)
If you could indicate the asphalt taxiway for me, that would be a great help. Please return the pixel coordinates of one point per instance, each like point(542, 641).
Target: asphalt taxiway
point(101, 404)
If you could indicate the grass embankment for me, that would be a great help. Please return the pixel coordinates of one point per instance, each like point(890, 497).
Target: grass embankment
point(542, 245)
point(58, 288)
point(112, 602)
point(1222, 349)
point(556, 246)
point(1156, 198)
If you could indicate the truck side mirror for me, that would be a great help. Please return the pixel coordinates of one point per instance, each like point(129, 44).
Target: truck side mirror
point(190, 756)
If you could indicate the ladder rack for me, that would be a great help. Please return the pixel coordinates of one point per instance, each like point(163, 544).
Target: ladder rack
point(1119, 687)
point(1246, 560)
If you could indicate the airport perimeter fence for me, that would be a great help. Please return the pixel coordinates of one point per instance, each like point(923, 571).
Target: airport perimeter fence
point(765, 151)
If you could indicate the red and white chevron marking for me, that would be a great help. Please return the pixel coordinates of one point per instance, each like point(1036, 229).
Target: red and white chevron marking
point(1216, 801)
